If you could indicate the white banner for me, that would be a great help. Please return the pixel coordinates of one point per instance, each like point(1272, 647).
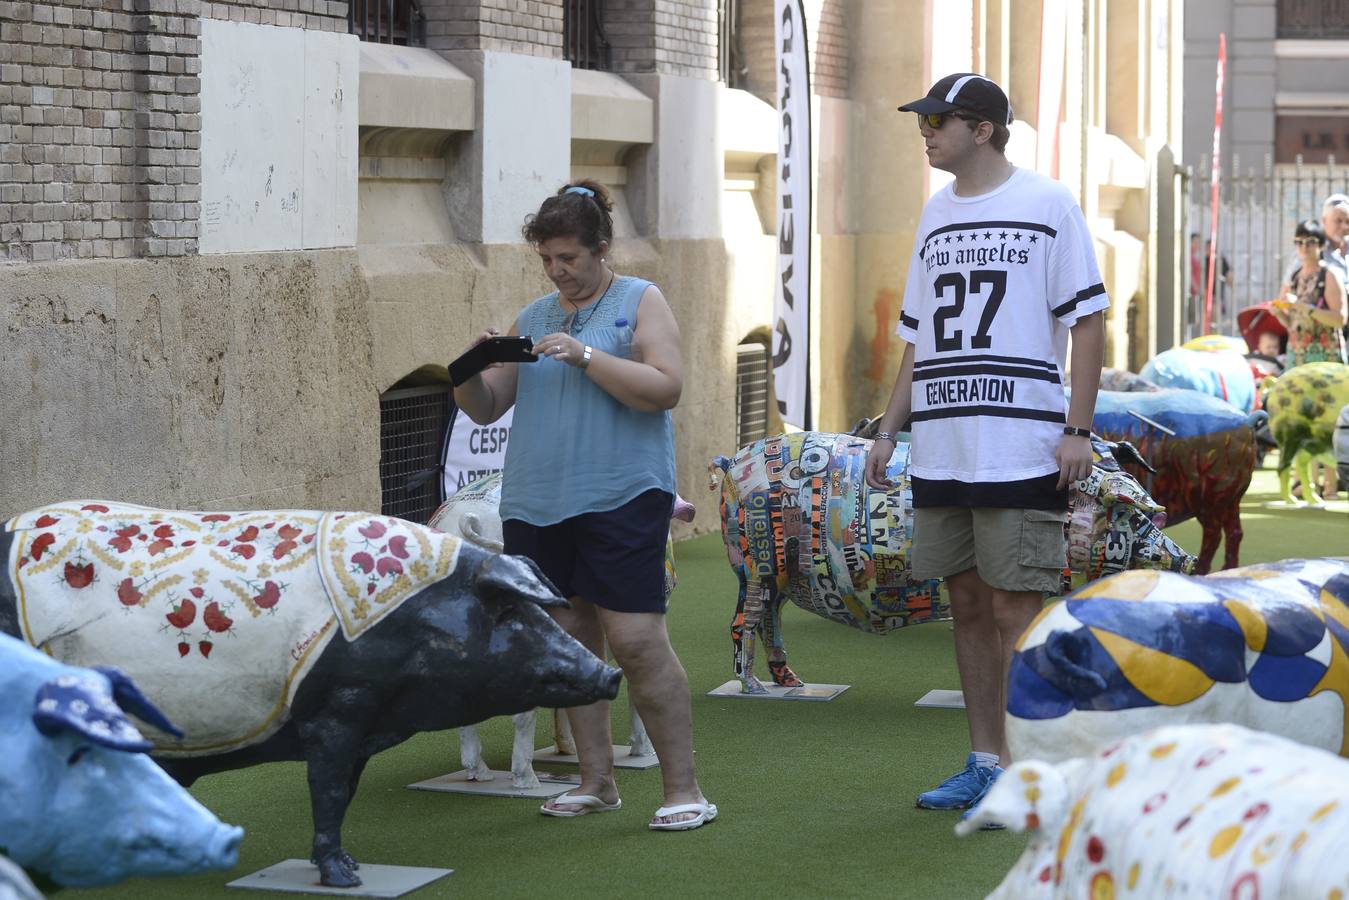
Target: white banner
point(474, 451)
point(791, 291)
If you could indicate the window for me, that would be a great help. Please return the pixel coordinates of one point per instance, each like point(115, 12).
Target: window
point(731, 57)
point(1314, 19)
point(583, 40)
point(411, 434)
point(387, 21)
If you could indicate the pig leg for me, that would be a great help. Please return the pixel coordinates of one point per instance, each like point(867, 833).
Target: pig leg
point(1303, 464)
point(470, 754)
point(562, 736)
point(783, 676)
point(334, 771)
point(639, 743)
point(751, 627)
point(522, 751)
point(1232, 538)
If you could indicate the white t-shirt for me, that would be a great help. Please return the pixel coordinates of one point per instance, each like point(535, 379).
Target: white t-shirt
point(994, 284)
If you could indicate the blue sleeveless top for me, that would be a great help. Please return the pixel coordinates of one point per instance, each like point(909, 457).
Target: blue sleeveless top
point(575, 449)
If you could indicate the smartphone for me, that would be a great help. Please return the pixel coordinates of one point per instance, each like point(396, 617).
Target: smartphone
point(516, 349)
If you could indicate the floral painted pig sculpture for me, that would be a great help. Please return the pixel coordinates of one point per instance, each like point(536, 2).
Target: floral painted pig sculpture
point(82, 802)
point(800, 522)
point(1264, 646)
point(1199, 811)
point(318, 636)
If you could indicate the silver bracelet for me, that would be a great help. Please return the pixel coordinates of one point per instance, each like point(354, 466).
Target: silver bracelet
point(885, 436)
point(585, 356)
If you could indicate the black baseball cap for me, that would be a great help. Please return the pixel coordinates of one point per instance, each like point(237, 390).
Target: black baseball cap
point(965, 90)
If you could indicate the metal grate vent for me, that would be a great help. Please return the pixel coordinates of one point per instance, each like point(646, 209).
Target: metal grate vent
point(752, 372)
point(411, 439)
point(583, 41)
point(387, 21)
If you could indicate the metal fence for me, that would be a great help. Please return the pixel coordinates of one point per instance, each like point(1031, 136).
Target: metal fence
point(730, 54)
point(387, 21)
point(1257, 211)
point(411, 439)
point(583, 39)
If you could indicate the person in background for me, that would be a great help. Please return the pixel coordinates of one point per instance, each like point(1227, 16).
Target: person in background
point(1335, 221)
point(588, 485)
point(1313, 305)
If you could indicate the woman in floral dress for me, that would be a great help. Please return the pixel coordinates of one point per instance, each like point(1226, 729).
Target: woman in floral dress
point(1313, 305)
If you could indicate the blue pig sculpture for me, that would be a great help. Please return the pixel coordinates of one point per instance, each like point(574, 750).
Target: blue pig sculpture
point(83, 802)
point(1222, 374)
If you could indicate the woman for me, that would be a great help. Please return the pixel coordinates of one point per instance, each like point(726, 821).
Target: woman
point(1313, 308)
point(589, 483)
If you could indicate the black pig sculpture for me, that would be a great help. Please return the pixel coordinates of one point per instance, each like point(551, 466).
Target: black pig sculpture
point(230, 622)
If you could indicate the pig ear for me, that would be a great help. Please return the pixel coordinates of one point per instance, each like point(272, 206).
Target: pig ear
point(130, 699)
point(83, 705)
point(517, 577)
point(1127, 452)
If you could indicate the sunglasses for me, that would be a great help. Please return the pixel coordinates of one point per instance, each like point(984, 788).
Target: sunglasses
point(1306, 242)
point(936, 120)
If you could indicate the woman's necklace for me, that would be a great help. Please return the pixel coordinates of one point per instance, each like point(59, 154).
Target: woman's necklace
point(576, 324)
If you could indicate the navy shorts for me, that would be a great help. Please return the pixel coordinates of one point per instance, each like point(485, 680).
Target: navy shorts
point(614, 559)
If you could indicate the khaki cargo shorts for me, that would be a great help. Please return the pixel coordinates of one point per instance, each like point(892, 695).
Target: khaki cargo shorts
point(1013, 549)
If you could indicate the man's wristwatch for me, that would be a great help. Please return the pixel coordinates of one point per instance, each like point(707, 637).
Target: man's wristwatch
point(1076, 432)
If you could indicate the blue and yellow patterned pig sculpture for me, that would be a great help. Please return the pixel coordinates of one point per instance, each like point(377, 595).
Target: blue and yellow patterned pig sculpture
point(1264, 646)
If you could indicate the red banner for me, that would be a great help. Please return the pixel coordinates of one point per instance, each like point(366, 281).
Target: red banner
point(1213, 183)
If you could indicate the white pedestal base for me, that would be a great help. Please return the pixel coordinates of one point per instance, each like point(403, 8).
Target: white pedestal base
point(942, 700)
point(300, 876)
point(623, 758)
point(550, 785)
point(815, 692)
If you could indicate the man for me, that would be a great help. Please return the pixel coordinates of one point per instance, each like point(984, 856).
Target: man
point(1002, 270)
point(1335, 220)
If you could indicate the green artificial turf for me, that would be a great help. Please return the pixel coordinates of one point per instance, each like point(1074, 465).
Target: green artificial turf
point(816, 799)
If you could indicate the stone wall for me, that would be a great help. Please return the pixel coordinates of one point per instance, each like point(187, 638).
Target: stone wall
point(226, 381)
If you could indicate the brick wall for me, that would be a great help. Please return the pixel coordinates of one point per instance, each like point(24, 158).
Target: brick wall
point(827, 37)
point(531, 27)
point(671, 37)
point(316, 15)
point(100, 121)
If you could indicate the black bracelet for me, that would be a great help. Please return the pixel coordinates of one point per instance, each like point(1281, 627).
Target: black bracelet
point(1076, 432)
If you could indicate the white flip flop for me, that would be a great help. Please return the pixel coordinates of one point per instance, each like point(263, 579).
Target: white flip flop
point(706, 813)
point(589, 803)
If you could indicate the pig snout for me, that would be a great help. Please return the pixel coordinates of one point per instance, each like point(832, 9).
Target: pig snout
point(606, 682)
point(222, 851)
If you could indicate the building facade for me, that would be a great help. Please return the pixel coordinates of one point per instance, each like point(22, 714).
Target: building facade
point(233, 234)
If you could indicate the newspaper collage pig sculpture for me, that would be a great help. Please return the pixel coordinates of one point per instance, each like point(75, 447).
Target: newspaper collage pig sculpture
point(800, 523)
point(292, 634)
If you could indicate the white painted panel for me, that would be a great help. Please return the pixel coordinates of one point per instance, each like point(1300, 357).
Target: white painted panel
point(332, 98)
point(526, 138)
point(252, 95)
point(690, 157)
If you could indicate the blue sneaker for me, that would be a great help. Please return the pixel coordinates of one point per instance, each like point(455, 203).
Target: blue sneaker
point(963, 789)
